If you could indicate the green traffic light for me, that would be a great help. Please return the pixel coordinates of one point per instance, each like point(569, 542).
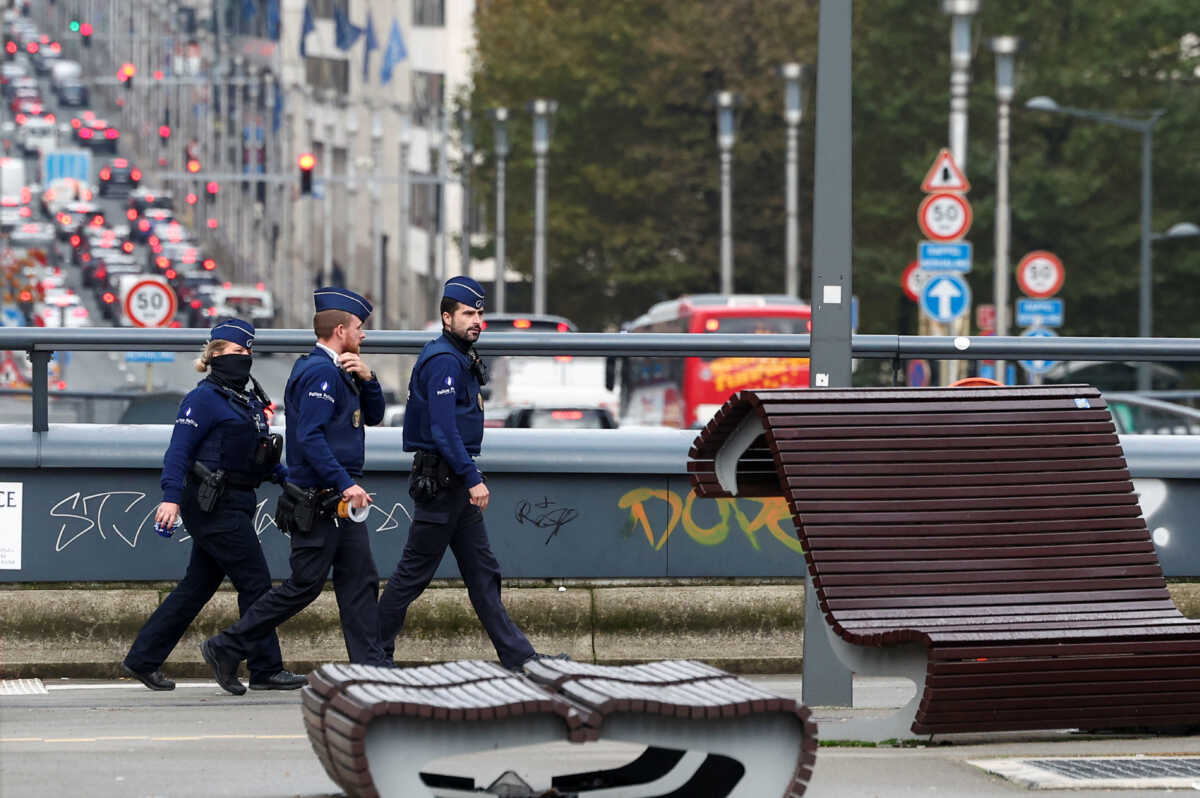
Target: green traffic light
point(73, 26)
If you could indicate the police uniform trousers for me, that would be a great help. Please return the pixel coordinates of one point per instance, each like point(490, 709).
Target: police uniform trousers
point(451, 520)
point(344, 545)
point(223, 544)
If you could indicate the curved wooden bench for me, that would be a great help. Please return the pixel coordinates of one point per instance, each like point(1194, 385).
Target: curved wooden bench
point(985, 542)
point(375, 729)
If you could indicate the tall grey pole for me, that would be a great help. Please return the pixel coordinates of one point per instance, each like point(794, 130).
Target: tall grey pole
point(407, 281)
point(961, 12)
point(468, 155)
point(793, 112)
point(351, 200)
point(501, 268)
point(725, 136)
point(327, 148)
point(1145, 301)
point(827, 682)
point(310, 124)
point(539, 236)
point(380, 318)
point(443, 203)
point(1004, 48)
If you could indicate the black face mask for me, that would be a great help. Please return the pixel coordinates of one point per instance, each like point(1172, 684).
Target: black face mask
point(232, 370)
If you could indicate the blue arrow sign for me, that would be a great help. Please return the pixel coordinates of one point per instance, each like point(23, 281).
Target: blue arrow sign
point(1039, 312)
point(945, 297)
point(1038, 366)
point(936, 257)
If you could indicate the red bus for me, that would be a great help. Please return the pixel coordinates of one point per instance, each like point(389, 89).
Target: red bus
point(686, 392)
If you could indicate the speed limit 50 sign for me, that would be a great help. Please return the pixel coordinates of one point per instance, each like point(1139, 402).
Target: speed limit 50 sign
point(1040, 274)
point(150, 303)
point(944, 216)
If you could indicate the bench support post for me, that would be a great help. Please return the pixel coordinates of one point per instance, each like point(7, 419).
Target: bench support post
point(827, 681)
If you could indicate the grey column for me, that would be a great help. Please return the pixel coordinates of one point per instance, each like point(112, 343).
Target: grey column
point(351, 189)
point(1146, 280)
point(327, 148)
point(501, 169)
point(726, 221)
point(792, 254)
point(408, 284)
point(827, 682)
point(1000, 278)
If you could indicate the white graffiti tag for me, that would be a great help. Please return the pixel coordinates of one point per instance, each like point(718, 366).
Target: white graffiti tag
point(89, 511)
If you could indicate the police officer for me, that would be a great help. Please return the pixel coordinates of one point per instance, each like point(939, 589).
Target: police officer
point(220, 451)
point(443, 427)
point(330, 397)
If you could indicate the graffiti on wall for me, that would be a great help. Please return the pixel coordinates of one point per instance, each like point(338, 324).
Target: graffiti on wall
point(766, 514)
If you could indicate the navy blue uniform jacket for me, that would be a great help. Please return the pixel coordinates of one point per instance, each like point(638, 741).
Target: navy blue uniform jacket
point(217, 430)
point(326, 443)
point(444, 412)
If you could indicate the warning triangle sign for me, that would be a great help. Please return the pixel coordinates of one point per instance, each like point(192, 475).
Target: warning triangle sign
point(945, 175)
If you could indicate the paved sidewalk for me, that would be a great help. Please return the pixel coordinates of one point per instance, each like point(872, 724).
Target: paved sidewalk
point(118, 739)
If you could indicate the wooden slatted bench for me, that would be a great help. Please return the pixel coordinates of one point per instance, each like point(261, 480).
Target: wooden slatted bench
point(706, 732)
point(987, 543)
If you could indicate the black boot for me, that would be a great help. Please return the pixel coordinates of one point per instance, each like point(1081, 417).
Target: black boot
point(152, 679)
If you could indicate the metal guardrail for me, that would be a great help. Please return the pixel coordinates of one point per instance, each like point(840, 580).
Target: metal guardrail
point(40, 343)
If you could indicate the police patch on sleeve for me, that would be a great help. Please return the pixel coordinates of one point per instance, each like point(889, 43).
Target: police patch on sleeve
point(323, 393)
point(449, 387)
point(187, 419)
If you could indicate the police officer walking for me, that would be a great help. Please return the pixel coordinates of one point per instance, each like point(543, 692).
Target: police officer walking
point(220, 451)
point(443, 427)
point(330, 396)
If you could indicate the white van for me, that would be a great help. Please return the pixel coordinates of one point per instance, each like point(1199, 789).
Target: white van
point(64, 70)
point(12, 176)
point(38, 135)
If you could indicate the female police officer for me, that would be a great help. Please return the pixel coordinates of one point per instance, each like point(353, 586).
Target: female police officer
point(219, 453)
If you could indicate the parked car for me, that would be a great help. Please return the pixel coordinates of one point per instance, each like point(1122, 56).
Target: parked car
point(120, 176)
point(561, 418)
point(72, 92)
point(1142, 415)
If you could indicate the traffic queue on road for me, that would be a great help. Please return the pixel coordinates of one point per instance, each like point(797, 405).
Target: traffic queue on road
point(79, 227)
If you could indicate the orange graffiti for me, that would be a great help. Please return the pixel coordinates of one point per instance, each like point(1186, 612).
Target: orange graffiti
point(771, 512)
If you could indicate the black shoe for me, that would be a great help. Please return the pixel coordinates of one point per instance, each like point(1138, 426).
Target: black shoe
point(152, 679)
point(284, 680)
point(521, 668)
point(224, 670)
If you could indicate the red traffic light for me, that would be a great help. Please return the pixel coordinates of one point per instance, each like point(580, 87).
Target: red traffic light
point(158, 74)
point(307, 161)
point(128, 69)
point(191, 198)
point(212, 187)
point(85, 29)
point(193, 165)
point(164, 132)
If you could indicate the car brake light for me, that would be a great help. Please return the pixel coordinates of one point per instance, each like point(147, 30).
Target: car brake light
point(120, 163)
point(131, 214)
point(86, 133)
point(563, 358)
point(522, 324)
point(50, 118)
point(75, 240)
point(108, 298)
point(79, 313)
point(144, 225)
point(105, 173)
point(209, 264)
point(127, 247)
point(22, 119)
point(162, 261)
point(566, 415)
point(75, 123)
point(136, 175)
point(25, 212)
point(97, 220)
point(260, 286)
point(86, 257)
point(170, 274)
point(196, 303)
point(563, 327)
point(101, 273)
point(111, 133)
point(712, 325)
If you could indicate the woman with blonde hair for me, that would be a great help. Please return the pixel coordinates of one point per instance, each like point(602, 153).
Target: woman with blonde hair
point(221, 450)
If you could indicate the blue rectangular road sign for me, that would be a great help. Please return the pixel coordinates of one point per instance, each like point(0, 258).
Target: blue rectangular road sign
point(67, 163)
point(1039, 312)
point(936, 257)
point(149, 357)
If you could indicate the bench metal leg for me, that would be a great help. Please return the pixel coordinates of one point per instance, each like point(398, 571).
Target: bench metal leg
point(909, 661)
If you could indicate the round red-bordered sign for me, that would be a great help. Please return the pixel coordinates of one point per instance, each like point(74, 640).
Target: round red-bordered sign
point(913, 280)
point(150, 303)
point(1040, 274)
point(944, 217)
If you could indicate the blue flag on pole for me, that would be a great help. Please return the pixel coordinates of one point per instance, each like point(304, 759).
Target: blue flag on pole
point(371, 44)
point(273, 20)
point(394, 54)
point(306, 28)
point(249, 10)
point(277, 111)
point(346, 33)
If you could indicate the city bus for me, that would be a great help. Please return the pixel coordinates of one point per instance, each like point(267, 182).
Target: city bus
point(686, 392)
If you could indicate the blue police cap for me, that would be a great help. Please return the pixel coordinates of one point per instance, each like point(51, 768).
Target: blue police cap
point(330, 298)
point(466, 291)
point(234, 330)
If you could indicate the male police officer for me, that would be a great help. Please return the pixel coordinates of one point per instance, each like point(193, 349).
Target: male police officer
point(443, 427)
point(330, 396)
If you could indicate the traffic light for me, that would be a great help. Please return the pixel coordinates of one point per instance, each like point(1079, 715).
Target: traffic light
point(74, 26)
point(164, 134)
point(193, 165)
point(85, 31)
point(306, 162)
point(212, 188)
point(125, 74)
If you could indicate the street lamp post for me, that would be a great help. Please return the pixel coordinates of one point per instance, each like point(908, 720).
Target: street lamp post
point(468, 153)
point(1004, 47)
point(380, 318)
point(1146, 128)
point(793, 112)
point(543, 110)
point(500, 129)
point(1180, 230)
point(961, 12)
point(725, 139)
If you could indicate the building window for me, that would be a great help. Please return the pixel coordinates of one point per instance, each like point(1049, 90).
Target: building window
point(323, 9)
point(429, 13)
point(328, 73)
point(428, 97)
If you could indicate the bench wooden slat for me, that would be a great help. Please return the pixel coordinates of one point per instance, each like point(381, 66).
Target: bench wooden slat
point(782, 430)
point(823, 467)
point(947, 446)
point(951, 549)
point(966, 503)
point(1044, 487)
point(985, 567)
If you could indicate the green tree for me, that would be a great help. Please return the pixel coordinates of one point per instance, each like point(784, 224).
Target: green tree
point(634, 187)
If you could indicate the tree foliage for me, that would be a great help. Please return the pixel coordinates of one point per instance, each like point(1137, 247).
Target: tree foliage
point(633, 214)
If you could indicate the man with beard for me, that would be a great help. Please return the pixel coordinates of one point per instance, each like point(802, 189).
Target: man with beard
point(443, 427)
point(330, 396)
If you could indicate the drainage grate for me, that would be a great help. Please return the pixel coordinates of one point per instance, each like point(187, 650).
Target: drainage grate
point(22, 687)
point(1143, 767)
point(1100, 772)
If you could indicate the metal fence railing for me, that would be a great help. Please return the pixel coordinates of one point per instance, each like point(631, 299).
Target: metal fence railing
point(41, 343)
